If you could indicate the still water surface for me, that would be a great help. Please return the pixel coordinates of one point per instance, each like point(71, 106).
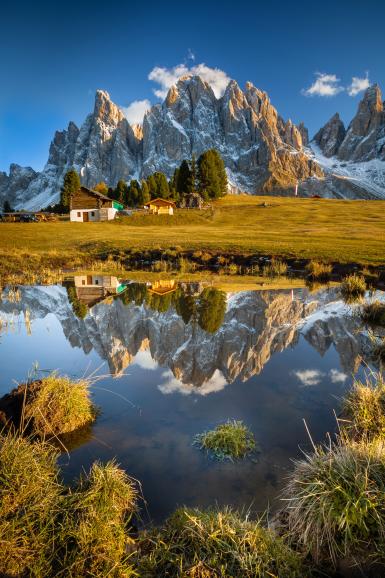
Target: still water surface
point(176, 359)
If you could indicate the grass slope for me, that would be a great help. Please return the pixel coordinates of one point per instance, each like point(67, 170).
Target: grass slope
point(331, 230)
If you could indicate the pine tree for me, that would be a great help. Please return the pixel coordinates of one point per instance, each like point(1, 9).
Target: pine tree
point(152, 186)
point(133, 193)
point(121, 191)
point(7, 207)
point(211, 175)
point(162, 188)
point(144, 196)
point(194, 176)
point(183, 180)
point(71, 185)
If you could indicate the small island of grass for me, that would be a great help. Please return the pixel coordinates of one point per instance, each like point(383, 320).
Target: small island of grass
point(231, 440)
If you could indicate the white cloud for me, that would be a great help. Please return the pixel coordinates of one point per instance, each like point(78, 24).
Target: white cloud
point(190, 55)
point(309, 377)
point(337, 376)
point(144, 360)
point(216, 383)
point(166, 77)
point(358, 85)
point(134, 112)
point(324, 85)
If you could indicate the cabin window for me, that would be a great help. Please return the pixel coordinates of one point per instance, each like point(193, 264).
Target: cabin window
point(96, 281)
point(92, 213)
point(79, 214)
point(83, 282)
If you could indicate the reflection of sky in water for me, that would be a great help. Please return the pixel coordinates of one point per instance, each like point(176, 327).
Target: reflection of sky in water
point(149, 416)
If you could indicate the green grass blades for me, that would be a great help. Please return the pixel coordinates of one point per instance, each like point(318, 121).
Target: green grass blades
point(363, 408)
point(336, 501)
point(216, 544)
point(228, 441)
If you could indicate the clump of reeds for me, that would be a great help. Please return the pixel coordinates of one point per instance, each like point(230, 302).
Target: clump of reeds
point(230, 440)
point(336, 505)
point(29, 502)
point(50, 530)
point(275, 268)
point(373, 313)
point(52, 406)
point(95, 539)
point(363, 409)
point(318, 271)
point(353, 288)
point(216, 544)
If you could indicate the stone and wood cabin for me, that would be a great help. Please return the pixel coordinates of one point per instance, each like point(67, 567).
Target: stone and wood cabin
point(160, 207)
point(88, 205)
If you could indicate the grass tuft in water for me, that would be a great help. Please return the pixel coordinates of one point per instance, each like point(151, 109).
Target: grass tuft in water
point(318, 271)
point(216, 544)
point(373, 313)
point(336, 505)
point(363, 408)
point(276, 268)
point(353, 288)
point(57, 405)
point(231, 440)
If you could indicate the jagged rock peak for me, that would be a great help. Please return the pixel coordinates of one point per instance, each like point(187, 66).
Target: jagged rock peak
point(105, 109)
point(304, 133)
point(364, 138)
point(330, 136)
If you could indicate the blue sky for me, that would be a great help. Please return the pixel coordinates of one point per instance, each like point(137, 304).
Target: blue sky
point(53, 58)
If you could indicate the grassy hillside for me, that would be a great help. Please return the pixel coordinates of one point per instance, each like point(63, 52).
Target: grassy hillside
point(333, 230)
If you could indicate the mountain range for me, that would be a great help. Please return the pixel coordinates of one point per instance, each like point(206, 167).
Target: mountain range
point(262, 152)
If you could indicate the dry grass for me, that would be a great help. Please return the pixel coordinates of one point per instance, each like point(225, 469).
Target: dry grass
point(319, 229)
point(95, 539)
point(353, 288)
point(319, 271)
point(29, 502)
point(363, 408)
point(57, 405)
point(373, 313)
point(336, 501)
point(48, 530)
point(216, 544)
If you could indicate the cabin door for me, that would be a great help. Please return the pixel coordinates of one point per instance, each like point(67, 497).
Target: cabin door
point(86, 217)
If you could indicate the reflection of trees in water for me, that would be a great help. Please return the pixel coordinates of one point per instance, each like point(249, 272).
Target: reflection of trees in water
point(207, 309)
point(79, 308)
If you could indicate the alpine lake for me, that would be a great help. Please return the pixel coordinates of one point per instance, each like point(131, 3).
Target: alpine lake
point(169, 360)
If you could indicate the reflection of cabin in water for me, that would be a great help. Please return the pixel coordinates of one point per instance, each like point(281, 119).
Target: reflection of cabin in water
point(93, 288)
point(87, 205)
point(162, 287)
point(160, 207)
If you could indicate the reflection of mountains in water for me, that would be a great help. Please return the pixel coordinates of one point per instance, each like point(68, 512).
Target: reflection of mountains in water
point(200, 334)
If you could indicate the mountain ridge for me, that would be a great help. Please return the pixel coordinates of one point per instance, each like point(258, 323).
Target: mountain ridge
point(262, 152)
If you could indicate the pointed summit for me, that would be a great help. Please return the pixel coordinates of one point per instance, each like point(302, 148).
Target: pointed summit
point(330, 136)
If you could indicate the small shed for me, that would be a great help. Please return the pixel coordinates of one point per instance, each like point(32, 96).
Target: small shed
point(160, 207)
point(88, 205)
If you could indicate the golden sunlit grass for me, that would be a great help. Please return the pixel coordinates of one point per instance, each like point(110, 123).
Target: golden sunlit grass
point(319, 229)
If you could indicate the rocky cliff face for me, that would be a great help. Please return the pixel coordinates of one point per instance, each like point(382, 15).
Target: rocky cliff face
point(365, 137)
point(260, 150)
point(330, 137)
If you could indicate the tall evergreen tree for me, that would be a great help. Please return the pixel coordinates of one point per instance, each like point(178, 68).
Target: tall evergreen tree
point(183, 180)
point(144, 196)
point(162, 189)
point(211, 175)
point(151, 186)
point(194, 175)
point(133, 193)
point(121, 191)
point(71, 185)
point(7, 207)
